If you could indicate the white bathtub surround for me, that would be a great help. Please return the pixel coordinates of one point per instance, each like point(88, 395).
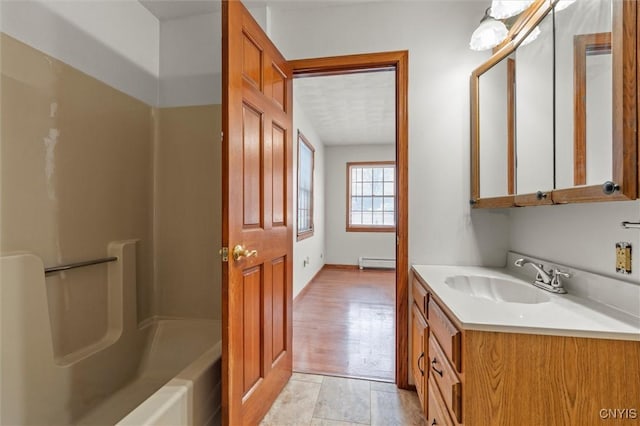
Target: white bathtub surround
point(30, 368)
point(595, 306)
point(104, 380)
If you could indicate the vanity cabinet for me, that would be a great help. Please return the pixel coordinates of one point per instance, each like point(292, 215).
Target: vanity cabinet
point(436, 359)
point(478, 377)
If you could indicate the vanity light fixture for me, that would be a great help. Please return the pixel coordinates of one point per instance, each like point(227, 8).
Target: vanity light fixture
point(489, 33)
point(532, 36)
point(502, 9)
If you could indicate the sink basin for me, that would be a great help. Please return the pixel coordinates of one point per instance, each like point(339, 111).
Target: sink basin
point(497, 289)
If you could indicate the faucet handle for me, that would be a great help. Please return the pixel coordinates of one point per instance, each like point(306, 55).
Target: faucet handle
point(556, 275)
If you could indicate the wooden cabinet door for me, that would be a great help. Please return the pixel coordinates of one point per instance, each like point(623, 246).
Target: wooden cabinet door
point(418, 353)
point(257, 212)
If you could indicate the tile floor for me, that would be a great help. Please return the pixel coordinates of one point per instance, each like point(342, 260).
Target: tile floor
point(310, 399)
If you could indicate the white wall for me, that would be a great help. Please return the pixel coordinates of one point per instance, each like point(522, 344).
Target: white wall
point(579, 235)
point(190, 70)
point(190, 61)
point(312, 248)
point(116, 42)
point(344, 248)
point(443, 229)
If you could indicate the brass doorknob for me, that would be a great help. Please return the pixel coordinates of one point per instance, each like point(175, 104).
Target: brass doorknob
point(239, 252)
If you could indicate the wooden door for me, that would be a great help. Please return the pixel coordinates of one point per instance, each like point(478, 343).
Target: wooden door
point(257, 214)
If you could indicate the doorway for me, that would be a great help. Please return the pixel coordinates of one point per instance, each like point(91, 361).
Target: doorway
point(397, 62)
point(344, 248)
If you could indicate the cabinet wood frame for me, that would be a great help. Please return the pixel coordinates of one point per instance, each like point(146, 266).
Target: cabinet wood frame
point(524, 25)
point(626, 153)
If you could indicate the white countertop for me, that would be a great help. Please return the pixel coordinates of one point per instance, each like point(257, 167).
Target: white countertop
point(562, 315)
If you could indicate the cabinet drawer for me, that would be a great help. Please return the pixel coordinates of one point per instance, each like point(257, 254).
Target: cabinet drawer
point(444, 375)
point(446, 333)
point(420, 297)
point(437, 410)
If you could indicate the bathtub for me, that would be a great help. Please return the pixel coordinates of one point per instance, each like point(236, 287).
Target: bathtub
point(178, 382)
point(164, 371)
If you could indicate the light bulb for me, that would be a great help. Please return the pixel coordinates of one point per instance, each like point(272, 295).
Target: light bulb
point(489, 34)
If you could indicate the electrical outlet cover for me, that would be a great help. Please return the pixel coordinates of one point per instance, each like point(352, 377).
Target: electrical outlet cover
point(623, 258)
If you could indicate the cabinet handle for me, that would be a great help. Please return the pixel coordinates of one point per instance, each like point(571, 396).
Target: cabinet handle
point(433, 367)
point(419, 358)
point(434, 423)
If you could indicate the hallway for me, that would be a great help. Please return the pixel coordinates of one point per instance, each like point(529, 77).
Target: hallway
point(344, 325)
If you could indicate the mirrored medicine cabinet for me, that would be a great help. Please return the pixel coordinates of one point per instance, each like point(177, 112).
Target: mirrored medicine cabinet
point(554, 110)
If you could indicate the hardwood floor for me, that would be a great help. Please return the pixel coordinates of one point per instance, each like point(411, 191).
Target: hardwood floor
point(344, 325)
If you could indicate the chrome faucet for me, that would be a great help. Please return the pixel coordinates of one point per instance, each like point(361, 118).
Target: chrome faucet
point(546, 280)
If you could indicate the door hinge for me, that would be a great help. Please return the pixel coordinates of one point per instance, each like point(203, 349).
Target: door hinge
point(224, 252)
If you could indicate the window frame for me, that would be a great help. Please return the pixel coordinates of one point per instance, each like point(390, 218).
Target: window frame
point(371, 228)
point(306, 233)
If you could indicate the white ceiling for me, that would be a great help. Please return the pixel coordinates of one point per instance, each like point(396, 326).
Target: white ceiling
point(350, 109)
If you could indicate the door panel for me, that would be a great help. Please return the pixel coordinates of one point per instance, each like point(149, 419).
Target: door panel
point(278, 175)
point(252, 61)
point(257, 209)
point(279, 308)
point(278, 86)
point(252, 324)
point(252, 144)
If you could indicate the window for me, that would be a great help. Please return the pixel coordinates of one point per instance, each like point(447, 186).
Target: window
point(371, 201)
point(305, 187)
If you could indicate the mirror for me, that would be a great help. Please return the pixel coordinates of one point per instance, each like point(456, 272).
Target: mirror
point(534, 110)
point(496, 129)
point(555, 110)
point(584, 94)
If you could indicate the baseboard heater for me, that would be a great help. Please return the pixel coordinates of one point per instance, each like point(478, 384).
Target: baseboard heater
point(376, 263)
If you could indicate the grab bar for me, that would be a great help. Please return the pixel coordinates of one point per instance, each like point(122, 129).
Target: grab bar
point(78, 264)
point(631, 225)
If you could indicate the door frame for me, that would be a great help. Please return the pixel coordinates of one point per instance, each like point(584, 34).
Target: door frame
point(371, 62)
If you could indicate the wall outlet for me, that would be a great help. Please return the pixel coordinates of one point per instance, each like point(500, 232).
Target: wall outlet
point(623, 258)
